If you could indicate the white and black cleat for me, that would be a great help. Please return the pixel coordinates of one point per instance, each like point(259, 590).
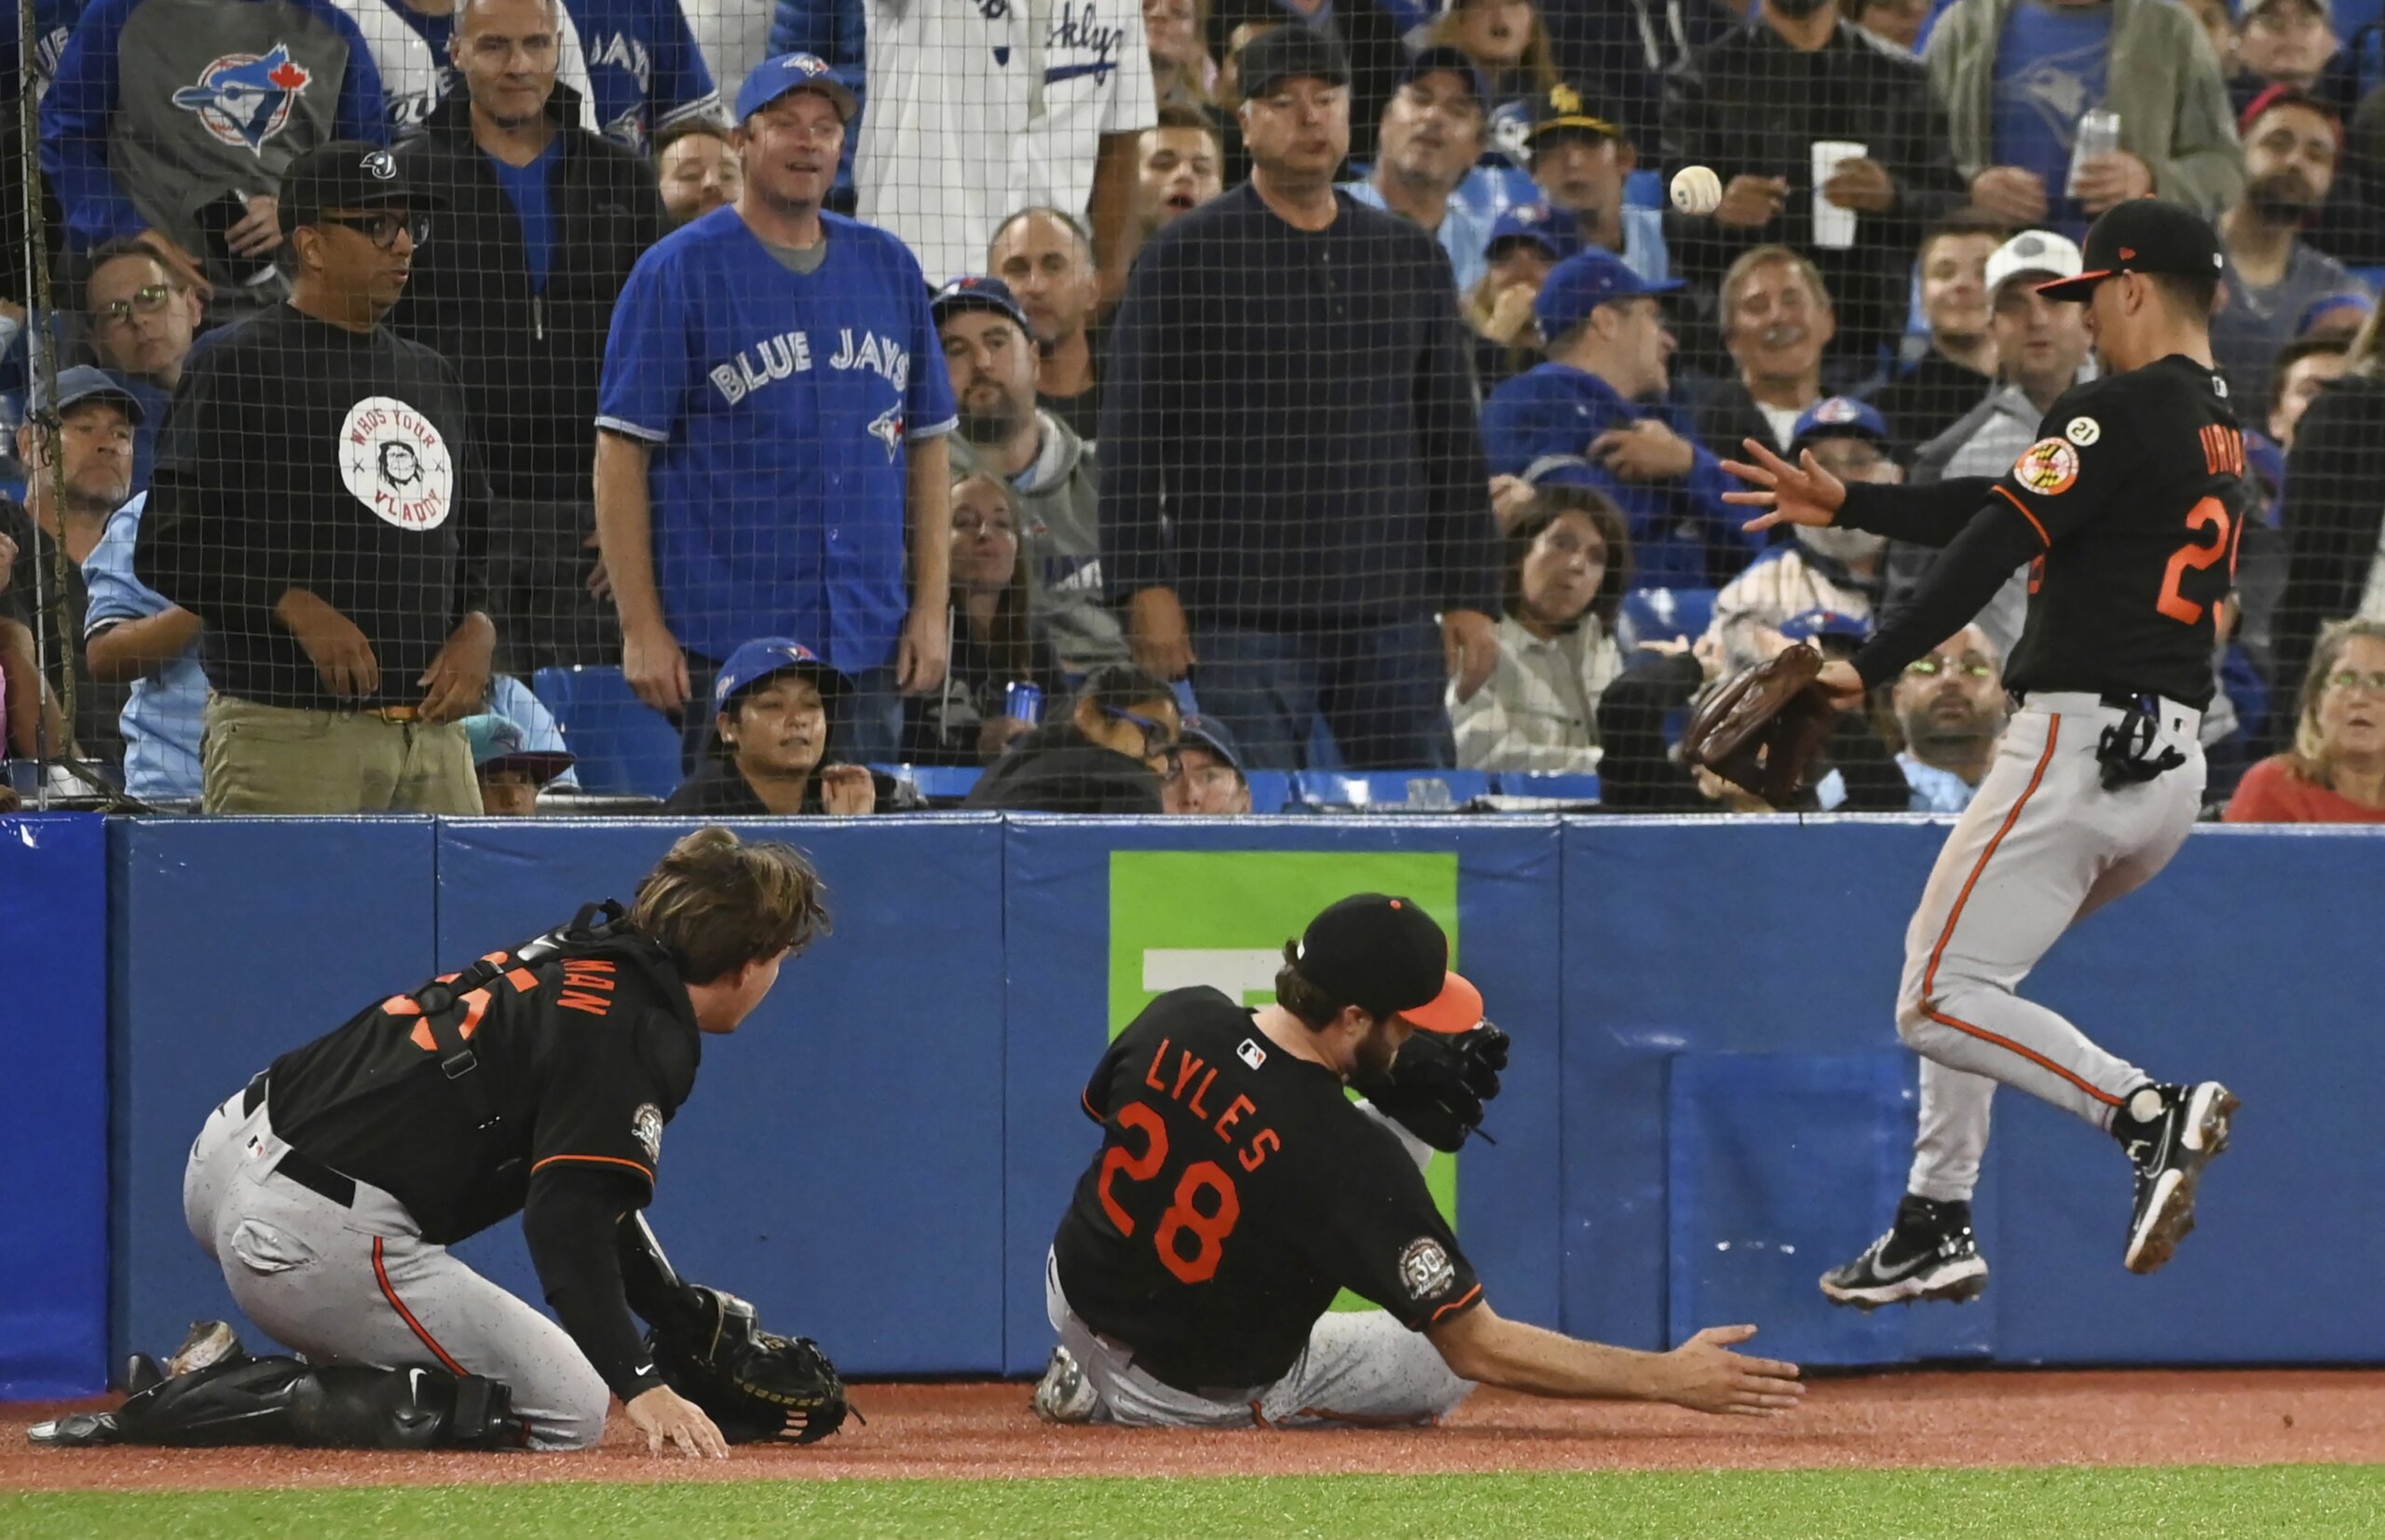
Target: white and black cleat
point(78, 1430)
point(210, 1342)
point(2189, 1128)
point(1930, 1253)
point(1064, 1394)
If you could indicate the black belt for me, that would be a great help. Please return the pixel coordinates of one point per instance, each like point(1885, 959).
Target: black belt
point(295, 1163)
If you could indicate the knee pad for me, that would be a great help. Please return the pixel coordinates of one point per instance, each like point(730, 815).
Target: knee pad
point(282, 1401)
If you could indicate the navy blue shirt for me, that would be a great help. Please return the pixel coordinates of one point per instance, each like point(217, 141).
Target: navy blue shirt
point(530, 190)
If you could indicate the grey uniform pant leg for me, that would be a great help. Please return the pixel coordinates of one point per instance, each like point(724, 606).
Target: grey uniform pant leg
point(2042, 845)
point(360, 1285)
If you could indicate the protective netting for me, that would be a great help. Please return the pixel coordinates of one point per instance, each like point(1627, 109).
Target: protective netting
point(1000, 400)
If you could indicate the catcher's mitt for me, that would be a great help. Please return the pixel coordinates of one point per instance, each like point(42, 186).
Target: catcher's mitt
point(1437, 1086)
point(1766, 726)
point(754, 1384)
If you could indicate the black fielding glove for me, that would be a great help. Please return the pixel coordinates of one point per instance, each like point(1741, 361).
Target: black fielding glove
point(1437, 1088)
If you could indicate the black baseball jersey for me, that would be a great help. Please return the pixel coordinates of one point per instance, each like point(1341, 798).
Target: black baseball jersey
point(585, 1057)
point(1237, 1189)
point(2129, 505)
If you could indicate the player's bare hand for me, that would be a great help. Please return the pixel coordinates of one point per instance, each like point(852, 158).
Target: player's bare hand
point(455, 685)
point(1470, 644)
point(1752, 201)
point(1158, 633)
point(259, 230)
point(600, 580)
point(2010, 194)
point(925, 649)
point(1705, 1375)
point(670, 1421)
point(1510, 496)
point(341, 656)
point(2108, 180)
point(1862, 184)
point(655, 667)
point(1647, 451)
point(1842, 684)
point(848, 791)
point(1803, 493)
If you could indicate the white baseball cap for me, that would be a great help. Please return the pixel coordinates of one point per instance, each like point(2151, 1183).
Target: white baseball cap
point(2040, 253)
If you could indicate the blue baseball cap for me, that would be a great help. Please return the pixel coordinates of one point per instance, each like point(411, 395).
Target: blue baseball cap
point(1838, 415)
point(1814, 625)
point(976, 292)
point(794, 72)
point(1589, 278)
point(1207, 732)
point(83, 383)
point(1552, 229)
point(2359, 305)
point(764, 656)
point(500, 742)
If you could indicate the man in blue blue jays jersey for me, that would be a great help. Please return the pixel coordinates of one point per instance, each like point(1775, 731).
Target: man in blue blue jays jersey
point(772, 419)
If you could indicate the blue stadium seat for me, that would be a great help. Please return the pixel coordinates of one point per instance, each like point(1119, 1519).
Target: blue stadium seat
point(1563, 786)
point(1661, 614)
point(1268, 789)
point(624, 747)
point(1410, 791)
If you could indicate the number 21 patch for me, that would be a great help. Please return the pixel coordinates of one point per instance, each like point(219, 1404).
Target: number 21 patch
point(2047, 468)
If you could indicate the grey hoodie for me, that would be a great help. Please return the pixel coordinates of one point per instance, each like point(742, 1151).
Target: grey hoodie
point(1058, 495)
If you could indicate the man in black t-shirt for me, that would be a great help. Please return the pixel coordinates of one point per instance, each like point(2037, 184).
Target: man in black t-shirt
point(2127, 511)
point(331, 1189)
point(1238, 1189)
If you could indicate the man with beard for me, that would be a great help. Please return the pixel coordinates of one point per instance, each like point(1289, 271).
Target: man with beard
point(1837, 570)
point(2292, 146)
point(1239, 1188)
point(1950, 710)
point(1600, 398)
point(1777, 320)
point(2041, 347)
point(991, 353)
point(1432, 135)
point(141, 316)
point(1179, 166)
point(96, 418)
point(1046, 258)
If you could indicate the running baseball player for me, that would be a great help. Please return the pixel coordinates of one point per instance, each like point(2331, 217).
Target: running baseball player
point(2127, 509)
point(1238, 1188)
point(771, 419)
point(537, 1082)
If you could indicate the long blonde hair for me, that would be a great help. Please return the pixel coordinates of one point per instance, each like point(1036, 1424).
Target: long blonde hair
point(2364, 355)
point(1539, 62)
point(2309, 757)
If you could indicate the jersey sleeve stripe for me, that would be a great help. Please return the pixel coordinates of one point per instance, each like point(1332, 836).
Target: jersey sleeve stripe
point(707, 105)
point(2005, 493)
point(936, 430)
point(1457, 1304)
point(623, 426)
point(1085, 1099)
point(599, 1160)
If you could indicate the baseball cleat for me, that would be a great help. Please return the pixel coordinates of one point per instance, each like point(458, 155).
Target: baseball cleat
point(81, 1430)
point(141, 1372)
point(209, 1343)
point(1064, 1394)
point(2191, 1128)
point(1930, 1253)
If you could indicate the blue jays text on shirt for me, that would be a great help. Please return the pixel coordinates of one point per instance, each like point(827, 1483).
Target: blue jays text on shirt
point(244, 99)
point(790, 354)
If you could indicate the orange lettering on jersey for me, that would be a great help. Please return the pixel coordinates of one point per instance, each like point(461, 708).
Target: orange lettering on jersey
point(1194, 1101)
point(2223, 450)
point(1233, 1114)
point(1260, 1147)
point(595, 1005)
point(1150, 1076)
point(593, 972)
point(1187, 1067)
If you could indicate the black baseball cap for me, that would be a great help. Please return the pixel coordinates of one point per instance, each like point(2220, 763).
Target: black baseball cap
point(347, 173)
point(1439, 58)
point(1294, 49)
point(1562, 110)
point(1388, 957)
point(2145, 235)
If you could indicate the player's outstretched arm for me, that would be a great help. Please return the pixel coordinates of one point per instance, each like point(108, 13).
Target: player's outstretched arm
point(1806, 494)
point(1702, 1374)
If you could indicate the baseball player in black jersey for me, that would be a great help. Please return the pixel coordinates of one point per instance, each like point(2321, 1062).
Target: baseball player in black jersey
point(2128, 509)
point(537, 1082)
point(1238, 1188)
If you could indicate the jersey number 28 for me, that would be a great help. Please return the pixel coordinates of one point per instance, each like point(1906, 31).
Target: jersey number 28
point(1207, 1228)
point(2194, 556)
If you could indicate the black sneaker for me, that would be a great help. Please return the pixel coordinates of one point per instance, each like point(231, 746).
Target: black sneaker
point(1930, 1253)
point(2170, 1150)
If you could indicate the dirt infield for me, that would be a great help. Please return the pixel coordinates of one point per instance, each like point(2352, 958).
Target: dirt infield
point(978, 1431)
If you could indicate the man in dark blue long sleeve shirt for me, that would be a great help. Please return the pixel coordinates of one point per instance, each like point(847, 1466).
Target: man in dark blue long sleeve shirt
point(1293, 485)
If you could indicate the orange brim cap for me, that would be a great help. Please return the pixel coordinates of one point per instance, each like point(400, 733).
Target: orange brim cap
point(1458, 1008)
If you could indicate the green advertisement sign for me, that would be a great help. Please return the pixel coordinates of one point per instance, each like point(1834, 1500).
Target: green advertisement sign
point(1220, 918)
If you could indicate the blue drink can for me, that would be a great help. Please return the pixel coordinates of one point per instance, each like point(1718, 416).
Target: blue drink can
point(1023, 703)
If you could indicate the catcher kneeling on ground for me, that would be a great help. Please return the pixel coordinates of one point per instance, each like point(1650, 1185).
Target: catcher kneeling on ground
point(539, 1080)
point(1238, 1189)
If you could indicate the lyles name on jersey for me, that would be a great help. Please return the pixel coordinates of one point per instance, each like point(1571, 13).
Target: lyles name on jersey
point(1186, 1079)
point(790, 354)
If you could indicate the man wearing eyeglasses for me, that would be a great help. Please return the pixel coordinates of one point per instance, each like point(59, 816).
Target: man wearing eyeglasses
point(1950, 710)
point(318, 503)
point(142, 318)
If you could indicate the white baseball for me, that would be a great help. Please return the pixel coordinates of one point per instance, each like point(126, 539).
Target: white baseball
point(1697, 190)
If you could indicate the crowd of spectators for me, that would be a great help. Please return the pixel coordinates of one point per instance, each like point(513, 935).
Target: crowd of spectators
point(1119, 400)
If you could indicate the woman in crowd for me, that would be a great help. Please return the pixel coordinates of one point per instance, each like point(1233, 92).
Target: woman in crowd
point(1118, 742)
point(1528, 240)
point(996, 642)
point(1569, 561)
point(1182, 71)
point(774, 700)
point(2335, 773)
point(1508, 42)
point(2333, 520)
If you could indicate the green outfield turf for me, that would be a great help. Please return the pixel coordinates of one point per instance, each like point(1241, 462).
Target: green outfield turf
point(2298, 1500)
